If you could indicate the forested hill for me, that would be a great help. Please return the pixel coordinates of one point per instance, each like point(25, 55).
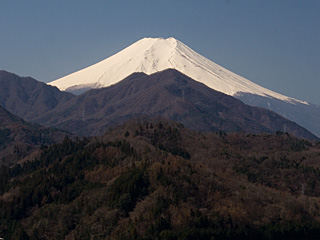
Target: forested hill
point(18, 138)
point(159, 180)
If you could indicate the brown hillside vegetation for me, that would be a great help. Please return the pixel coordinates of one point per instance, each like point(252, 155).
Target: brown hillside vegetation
point(156, 179)
point(18, 138)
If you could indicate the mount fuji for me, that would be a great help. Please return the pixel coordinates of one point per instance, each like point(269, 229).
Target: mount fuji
point(151, 55)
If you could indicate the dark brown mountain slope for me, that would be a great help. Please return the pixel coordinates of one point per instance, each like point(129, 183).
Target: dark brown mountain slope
point(28, 98)
point(168, 94)
point(19, 138)
point(159, 180)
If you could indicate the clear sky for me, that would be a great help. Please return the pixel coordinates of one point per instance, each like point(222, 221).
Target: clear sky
point(274, 43)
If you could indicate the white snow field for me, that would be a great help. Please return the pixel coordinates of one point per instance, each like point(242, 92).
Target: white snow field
point(150, 55)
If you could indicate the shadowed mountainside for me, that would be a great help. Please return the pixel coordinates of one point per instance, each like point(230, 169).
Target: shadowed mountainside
point(306, 115)
point(168, 94)
point(27, 97)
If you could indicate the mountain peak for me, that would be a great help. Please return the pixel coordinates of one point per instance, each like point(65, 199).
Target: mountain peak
point(150, 55)
point(169, 39)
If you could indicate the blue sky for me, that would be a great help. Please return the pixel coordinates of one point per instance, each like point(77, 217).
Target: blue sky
point(274, 43)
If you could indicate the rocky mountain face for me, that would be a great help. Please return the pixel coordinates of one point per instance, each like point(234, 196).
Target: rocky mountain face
point(27, 97)
point(169, 94)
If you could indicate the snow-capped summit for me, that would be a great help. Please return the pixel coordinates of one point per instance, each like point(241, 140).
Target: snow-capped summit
point(150, 55)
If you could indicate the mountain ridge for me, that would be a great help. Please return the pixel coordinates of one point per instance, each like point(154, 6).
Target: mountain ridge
point(35, 101)
point(27, 97)
point(169, 94)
